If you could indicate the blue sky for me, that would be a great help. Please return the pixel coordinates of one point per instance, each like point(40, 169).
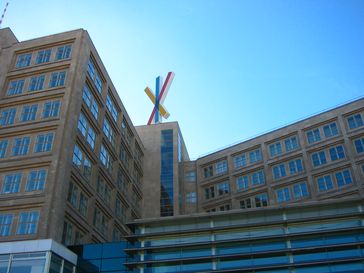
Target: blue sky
point(242, 67)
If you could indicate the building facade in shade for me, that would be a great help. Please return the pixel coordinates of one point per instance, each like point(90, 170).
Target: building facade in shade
point(70, 158)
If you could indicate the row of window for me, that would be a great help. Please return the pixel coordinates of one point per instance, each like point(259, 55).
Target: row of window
point(35, 181)
point(50, 109)
point(27, 223)
point(36, 83)
point(221, 188)
point(332, 154)
point(291, 143)
point(294, 166)
point(257, 201)
point(71, 235)
point(20, 147)
point(77, 198)
point(244, 182)
point(44, 56)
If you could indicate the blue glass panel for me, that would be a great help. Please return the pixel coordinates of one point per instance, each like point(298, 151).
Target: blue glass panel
point(112, 264)
point(93, 251)
point(309, 257)
point(316, 269)
point(235, 263)
point(112, 250)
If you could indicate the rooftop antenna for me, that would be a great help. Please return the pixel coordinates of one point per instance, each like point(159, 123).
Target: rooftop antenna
point(2, 16)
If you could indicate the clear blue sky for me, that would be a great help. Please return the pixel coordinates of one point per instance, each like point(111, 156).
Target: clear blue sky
point(242, 67)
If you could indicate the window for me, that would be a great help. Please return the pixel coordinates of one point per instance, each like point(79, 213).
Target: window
point(51, 109)
point(100, 221)
point(336, 153)
point(330, 130)
point(28, 113)
point(28, 222)
point(67, 233)
point(291, 144)
point(36, 180)
point(23, 60)
point(275, 149)
point(6, 220)
point(343, 178)
point(108, 132)
point(124, 156)
point(208, 172)
point(90, 101)
point(283, 195)
point(63, 52)
point(12, 183)
point(21, 146)
point(82, 162)
point(105, 158)
point(300, 190)
point(191, 197)
point(325, 183)
point(86, 130)
point(77, 199)
point(313, 136)
point(190, 176)
point(359, 145)
point(242, 182)
point(7, 116)
point(72, 194)
point(57, 79)
point(255, 156)
point(82, 207)
point(44, 143)
point(221, 167)
point(246, 204)
point(43, 56)
point(261, 200)
point(257, 178)
point(224, 207)
point(121, 182)
point(223, 188)
point(119, 210)
point(240, 161)
point(295, 166)
point(318, 159)
point(355, 121)
point(112, 108)
point(103, 190)
point(210, 192)
point(279, 171)
point(95, 77)
point(3, 146)
point(15, 87)
point(36, 83)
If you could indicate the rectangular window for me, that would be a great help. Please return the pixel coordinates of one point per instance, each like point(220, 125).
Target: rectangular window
point(36, 83)
point(242, 183)
point(103, 190)
point(283, 195)
point(28, 113)
point(223, 188)
point(86, 130)
point(291, 144)
point(190, 176)
point(57, 79)
point(43, 56)
point(7, 116)
point(191, 197)
point(343, 178)
point(355, 121)
point(108, 132)
point(318, 159)
point(300, 190)
point(82, 162)
point(245, 204)
point(3, 146)
point(325, 183)
point(82, 207)
point(94, 75)
point(6, 220)
point(119, 210)
point(112, 108)
point(36, 180)
point(279, 171)
point(23, 60)
point(208, 172)
point(67, 233)
point(210, 192)
point(255, 156)
point(221, 167)
point(15, 87)
point(100, 221)
point(21, 146)
point(44, 143)
point(257, 178)
point(331, 130)
point(90, 101)
point(63, 52)
point(240, 161)
point(72, 195)
point(313, 136)
point(261, 200)
point(105, 158)
point(337, 153)
point(51, 109)
point(275, 149)
point(295, 166)
point(28, 222)
point(12, 183)
point(359, 145)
